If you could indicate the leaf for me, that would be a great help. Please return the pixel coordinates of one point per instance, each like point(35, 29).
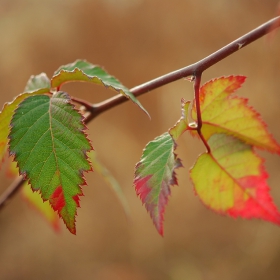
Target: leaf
point(154, 175)
point(50, 147)
point(111, 181)
point(6, 117)
point(83, 71)
point(40, 81)
point(223, 113)
point(231, 180)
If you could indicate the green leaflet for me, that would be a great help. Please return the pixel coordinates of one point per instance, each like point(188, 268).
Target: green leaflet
point(50, 147)
point(83, 71)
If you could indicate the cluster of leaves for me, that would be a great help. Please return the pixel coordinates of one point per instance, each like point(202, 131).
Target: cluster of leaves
point(46, 135)
point(230, 179)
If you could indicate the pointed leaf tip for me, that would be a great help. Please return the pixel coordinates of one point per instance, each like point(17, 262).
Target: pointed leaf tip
point(154, 175)
point(50, 147)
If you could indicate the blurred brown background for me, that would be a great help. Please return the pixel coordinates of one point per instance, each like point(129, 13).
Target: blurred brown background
point(137, 40)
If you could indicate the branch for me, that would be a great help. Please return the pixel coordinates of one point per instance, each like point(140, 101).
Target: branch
point(195, 70)
point(190, 70)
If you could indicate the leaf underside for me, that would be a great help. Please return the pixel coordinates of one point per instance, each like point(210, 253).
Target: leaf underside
point(154, 175)
point(50, 147)
point(83, 71)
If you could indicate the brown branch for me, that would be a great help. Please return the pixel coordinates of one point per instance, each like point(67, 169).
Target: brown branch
point(191, 70)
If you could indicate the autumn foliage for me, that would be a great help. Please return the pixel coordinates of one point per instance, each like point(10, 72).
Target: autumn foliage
point(230, 179)
point(44, 130)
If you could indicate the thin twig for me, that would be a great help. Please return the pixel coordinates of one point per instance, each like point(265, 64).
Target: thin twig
point(189, 70)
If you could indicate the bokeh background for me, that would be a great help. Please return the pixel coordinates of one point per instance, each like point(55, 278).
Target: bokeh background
point(138, 40)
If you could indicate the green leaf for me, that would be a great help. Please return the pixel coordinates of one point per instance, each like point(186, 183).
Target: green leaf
point(83, 71)
point(50, 147)
point(110, 180)
point(6, 117)
point(154, 175)
point(40, 81)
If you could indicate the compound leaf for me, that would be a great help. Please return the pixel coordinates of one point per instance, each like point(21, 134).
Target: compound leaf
point(154, 174)
point(223, 113)
point(83, 71)
point(6, 117)
point(231, 180)
point(50, 147)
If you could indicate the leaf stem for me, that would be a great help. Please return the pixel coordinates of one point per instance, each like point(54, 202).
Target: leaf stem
point(196, 87)
point(87, 105)
point(198, 67)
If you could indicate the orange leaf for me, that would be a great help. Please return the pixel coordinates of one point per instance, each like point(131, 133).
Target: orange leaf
point(223, 113)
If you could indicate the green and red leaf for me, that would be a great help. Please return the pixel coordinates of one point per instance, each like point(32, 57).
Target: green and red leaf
point(223, 113)
point(231, 180)
point(50, 146)
point(154, 175)
point(83, 71)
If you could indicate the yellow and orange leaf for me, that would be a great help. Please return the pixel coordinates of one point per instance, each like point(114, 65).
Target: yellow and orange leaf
point(223, 113)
